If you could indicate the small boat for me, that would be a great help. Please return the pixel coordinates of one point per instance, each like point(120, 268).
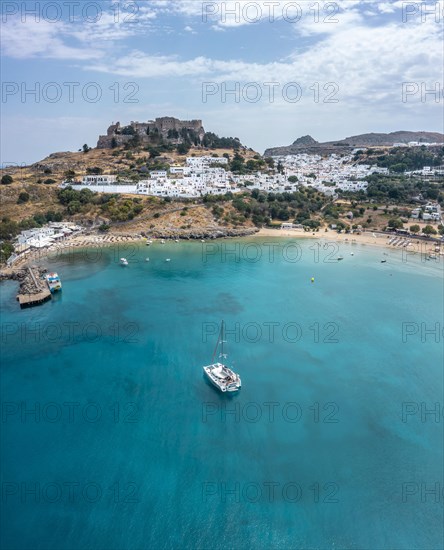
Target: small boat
point(340, 258)
point(53, 282)
point(225, 379)
point(432, 257)
point(147, 260)
point(202, 240)
point(176, 240)
point(383, 261)
point(352, 253)
point(123, 262)
point(162, 241)
point(168, 260)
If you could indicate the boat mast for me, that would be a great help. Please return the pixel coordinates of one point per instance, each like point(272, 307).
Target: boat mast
point(222, 340)
point(223, 355)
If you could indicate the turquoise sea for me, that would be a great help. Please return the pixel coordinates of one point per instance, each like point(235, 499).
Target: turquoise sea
point(111, 438)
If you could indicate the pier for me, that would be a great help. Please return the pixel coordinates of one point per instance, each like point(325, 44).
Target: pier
point(32, 291)
point(31, 300)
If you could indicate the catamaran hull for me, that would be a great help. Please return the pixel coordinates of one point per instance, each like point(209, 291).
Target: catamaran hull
point(220, 387)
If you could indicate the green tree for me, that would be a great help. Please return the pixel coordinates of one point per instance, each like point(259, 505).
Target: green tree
point(6, 249)
point(429, 230)
point(23, 197)
point(153, 152)
point(395, 223)
point(7, 179)
point(293, 179)
point(70, 175)
point(74, 207)
point(40, 219)
point(85, 148)
point(415, 228)
point(95, 170)
point(183, 148)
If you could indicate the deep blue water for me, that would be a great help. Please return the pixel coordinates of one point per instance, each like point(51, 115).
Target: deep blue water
point(329, 444)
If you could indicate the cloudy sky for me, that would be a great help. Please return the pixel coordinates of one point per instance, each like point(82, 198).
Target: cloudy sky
point(267, 72)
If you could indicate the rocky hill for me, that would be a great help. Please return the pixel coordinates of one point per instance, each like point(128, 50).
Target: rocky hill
point(164, 131)
point(307, 144)
point(40, 181)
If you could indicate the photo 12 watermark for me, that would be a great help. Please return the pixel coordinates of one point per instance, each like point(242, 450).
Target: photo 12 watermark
point(423, 492)
point(69, 492)
point(421, 12)
point(422, 92)
point(270, 92)
point(270, 412)
point(414, 412)
point(272, 252)
point(68, 92)
point(86, 13)
point(424, 332)
point(69, 412)
point(69, 332)
point(250, 12)
point(270, 491)
point(271, 332)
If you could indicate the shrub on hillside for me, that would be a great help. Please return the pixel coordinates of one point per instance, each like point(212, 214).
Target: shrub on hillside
point(7, 179)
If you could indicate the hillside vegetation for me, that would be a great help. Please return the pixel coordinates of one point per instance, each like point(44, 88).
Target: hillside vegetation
point(30, 196)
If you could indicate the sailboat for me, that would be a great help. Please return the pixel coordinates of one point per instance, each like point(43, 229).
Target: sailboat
point(219, 374)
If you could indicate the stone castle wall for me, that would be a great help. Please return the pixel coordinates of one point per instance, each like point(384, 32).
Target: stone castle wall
point(144, 129)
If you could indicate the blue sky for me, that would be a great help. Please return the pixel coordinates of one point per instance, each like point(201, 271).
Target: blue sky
point(328, 69)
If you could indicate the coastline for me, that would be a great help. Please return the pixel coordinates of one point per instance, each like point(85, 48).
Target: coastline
point(77, 242)
point(374, 240)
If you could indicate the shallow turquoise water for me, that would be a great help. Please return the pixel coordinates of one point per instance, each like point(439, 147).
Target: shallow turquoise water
point(130, 448)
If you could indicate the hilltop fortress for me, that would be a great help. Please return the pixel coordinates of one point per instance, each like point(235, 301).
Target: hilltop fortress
point(169, 129)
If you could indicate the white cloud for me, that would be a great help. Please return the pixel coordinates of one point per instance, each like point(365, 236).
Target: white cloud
point(369, 53)
point(366, 62)
point(77, 39)
point(41, 39)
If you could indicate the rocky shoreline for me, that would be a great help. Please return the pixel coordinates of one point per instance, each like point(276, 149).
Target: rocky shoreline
point(24, 278)
point(194, 234)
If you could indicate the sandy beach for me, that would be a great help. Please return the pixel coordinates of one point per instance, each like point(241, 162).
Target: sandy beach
point(367, 239)
point(377, 240)
point(370, 239)
point(73, 243)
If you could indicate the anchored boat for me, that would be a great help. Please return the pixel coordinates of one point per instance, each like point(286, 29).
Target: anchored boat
point(53, 281)
point(225, 379)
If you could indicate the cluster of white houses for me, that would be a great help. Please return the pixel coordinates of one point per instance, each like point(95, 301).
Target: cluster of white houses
point(47, 235)
point(328, 174)
point(430, 212)
point(417, 144)
point(43, 237)
point(210, 175)
point(200, 176)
